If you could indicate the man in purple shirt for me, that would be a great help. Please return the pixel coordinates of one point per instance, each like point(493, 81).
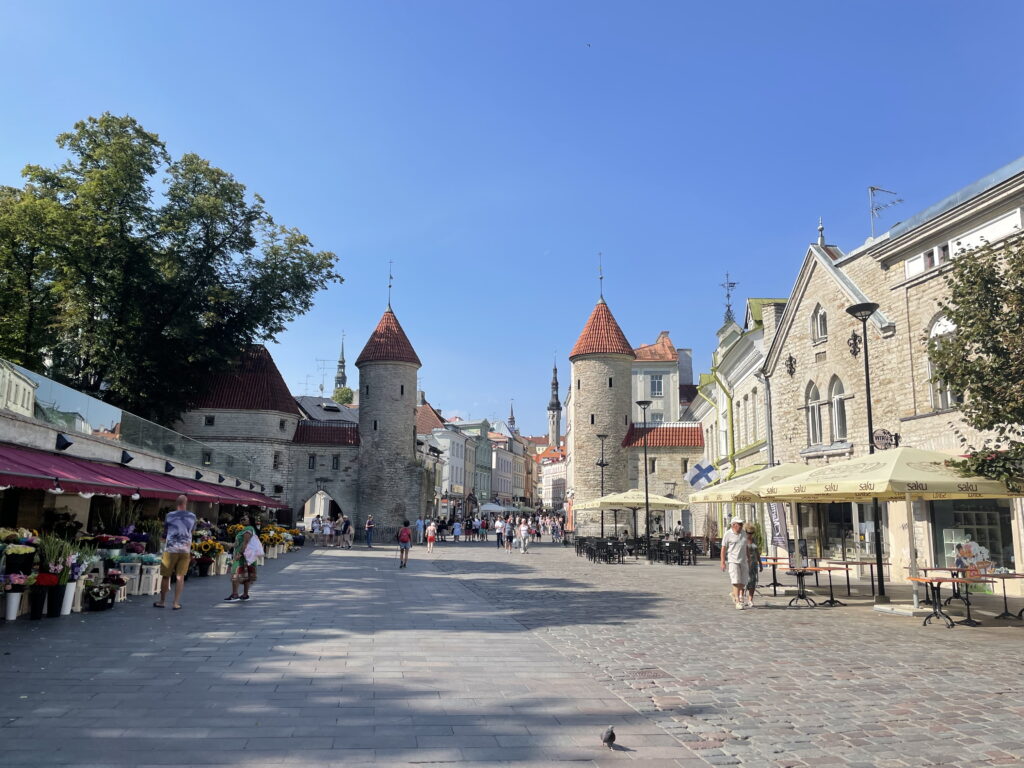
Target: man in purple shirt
point(178, 527)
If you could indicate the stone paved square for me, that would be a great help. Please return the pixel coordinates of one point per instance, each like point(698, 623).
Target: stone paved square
point(477, 657)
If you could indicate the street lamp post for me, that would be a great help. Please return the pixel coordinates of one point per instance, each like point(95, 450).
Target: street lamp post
point(862, 312)
point(602, 464)
point(644, 405)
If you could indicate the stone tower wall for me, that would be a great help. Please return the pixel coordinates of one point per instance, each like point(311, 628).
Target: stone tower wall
point(554, 427)
point(390, 483)
point(610, 407)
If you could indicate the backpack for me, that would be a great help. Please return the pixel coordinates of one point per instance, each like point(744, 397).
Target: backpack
point(404, 535)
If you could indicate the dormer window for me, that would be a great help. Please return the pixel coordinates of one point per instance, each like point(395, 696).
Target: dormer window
point(819, 324)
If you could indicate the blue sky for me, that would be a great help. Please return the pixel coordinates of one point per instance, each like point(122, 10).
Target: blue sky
point(492, 149)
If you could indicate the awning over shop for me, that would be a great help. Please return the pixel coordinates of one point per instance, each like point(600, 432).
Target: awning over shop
point(42, 470)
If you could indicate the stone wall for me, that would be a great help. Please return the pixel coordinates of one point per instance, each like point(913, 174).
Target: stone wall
point(391, 482)
point(610, 407)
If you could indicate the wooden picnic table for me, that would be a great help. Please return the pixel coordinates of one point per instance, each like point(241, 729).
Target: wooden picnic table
point(935, 584)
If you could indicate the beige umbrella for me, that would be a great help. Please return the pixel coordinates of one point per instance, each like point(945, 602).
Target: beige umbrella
point(634, 499)
point(900, 474)
point(741, 489)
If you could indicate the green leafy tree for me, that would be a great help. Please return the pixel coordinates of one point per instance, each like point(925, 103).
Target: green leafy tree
point(343, 395)
point(164, 269)
point(983, 358)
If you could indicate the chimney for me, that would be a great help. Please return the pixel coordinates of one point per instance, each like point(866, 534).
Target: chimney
point(770, 316)
point(421, 397)
point(685, 365)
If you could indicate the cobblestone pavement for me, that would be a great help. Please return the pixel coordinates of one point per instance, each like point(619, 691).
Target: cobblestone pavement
point(476, 657)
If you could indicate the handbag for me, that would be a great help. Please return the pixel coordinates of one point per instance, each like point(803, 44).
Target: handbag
point(253, 550)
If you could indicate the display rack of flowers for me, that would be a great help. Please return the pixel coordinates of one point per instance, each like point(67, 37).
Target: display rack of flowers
point(19, 549)
point(206, 553)
point(54, 572)
point(298, 537)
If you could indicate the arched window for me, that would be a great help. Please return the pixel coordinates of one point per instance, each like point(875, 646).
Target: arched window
point(837, 402)
point(819, 324)
point(942, 396)
point(812, 404)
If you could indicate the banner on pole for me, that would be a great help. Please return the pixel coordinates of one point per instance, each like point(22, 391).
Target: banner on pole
point(777, 515)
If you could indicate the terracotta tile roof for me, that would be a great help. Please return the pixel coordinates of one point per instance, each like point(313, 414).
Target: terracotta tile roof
point(427, 419)
point(664, 437)
point(661, 350)
point(601, 335)
point(326, 433)
point(537, 439)
point(388, 343)
point(254, 384)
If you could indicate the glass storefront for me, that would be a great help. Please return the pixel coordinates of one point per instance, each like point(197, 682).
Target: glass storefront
point(841, 531)
point(978, 532)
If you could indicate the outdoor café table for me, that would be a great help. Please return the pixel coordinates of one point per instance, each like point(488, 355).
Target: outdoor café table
point(775, 562)
point(871, 569)
point(831, 597)
point(801, 589)
point(935, 584)
point(1007, 613)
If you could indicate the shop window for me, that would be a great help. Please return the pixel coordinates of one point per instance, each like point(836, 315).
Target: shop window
point(973, 532)
point(837, 402)
point(941, 395)
point(812, 406)
point(819, 324)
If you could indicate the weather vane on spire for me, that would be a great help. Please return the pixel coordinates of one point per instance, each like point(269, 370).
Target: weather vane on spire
point(729, 285)
point(600, 273)
point(391, 280)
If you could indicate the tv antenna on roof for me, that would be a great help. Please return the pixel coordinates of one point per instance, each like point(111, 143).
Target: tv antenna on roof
point(875, 209)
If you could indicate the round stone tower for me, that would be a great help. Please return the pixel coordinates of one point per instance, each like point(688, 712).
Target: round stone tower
point(389, 477)
point(600, 403)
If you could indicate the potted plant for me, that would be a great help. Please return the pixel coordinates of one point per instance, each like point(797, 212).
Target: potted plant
point(14, 587)
point(54, 571)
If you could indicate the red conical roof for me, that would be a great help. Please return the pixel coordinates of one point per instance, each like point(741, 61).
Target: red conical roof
point(601, 335)
point(388, 343)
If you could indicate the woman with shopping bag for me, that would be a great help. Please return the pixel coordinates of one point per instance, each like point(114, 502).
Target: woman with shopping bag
point(247, 551)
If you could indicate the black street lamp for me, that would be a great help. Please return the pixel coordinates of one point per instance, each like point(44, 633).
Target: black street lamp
point(644, 405)
point(862, 312)
point(602, 464)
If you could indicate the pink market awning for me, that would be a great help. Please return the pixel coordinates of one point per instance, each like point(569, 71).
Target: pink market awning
point(43, 470)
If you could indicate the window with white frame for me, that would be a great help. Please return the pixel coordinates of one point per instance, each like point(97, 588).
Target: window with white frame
point(942, 396)
point(819, 324)
point(837, 402)
point(812, 404)
point(656, 385)
point(657, 416)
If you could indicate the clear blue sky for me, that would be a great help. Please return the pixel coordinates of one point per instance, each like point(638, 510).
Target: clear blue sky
point(491, 149)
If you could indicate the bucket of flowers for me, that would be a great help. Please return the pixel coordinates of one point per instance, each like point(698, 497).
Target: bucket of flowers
point(19, 549)
point(55, 571)
point(14, 585)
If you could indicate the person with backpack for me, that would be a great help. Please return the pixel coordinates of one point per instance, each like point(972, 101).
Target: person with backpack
point(404, 543)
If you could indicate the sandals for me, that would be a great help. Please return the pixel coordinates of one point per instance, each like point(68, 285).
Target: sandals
point(158, 605)
point(177, 607)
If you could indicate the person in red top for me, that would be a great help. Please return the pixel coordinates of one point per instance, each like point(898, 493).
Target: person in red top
point(404, 543)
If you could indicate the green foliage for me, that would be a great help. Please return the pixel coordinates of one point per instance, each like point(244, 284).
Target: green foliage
point(984, 357)
point(343, 395)
point(135, 295)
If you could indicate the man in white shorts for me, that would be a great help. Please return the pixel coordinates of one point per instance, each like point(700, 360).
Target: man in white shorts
point(734, 553)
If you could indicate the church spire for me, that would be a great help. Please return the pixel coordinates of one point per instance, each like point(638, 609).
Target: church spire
point(554, 404)
point(512, 417)
point(341, 378)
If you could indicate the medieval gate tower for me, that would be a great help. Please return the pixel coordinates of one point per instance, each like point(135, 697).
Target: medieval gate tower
point(601, 364)
point(389, 478)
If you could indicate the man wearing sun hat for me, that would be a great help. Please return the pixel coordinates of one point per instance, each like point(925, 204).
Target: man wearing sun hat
point(735, 556)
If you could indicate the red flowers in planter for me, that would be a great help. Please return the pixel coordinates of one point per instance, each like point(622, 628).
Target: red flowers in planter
point(47, 579)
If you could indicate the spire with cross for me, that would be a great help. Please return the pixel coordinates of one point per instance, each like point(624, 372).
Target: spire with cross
point(391, 280)
point(729, 286)
point(341, 378)
point(600, 274)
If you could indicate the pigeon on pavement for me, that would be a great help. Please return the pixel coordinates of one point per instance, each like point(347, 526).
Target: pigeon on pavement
point(608, 737)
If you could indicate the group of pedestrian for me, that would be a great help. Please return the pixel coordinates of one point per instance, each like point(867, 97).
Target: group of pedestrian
point(338, 531)
point(742, 556)
point(179, 526)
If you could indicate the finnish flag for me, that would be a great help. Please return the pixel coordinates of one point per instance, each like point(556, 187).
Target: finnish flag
point(702, 473)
